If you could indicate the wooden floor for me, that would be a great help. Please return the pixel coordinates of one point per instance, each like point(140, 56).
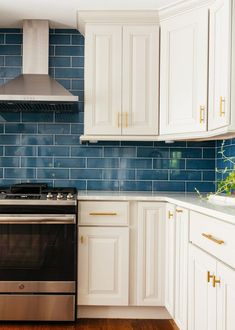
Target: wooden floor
point(94, 324)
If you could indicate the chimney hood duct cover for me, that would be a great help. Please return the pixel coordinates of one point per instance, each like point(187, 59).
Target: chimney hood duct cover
point(35, 90)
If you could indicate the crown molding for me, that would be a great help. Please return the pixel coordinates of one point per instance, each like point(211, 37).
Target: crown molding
point(116, 17)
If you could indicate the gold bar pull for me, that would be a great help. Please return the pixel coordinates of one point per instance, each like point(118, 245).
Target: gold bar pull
point(170, 215)
point(221, 108)
point(126, 117)
point(102, 213)
point(118, 119)
point(213, 239)
point(209, 276)
point(179, 211)
point(82, 239)
point(202, 113)
point(215, 281)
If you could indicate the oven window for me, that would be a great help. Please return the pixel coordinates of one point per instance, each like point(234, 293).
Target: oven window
point(37, 252)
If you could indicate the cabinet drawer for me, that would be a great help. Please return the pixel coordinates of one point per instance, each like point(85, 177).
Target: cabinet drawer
point(103, 213)
point(213, 236)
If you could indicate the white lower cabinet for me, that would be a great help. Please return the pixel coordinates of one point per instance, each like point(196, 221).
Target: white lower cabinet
point(103, 257)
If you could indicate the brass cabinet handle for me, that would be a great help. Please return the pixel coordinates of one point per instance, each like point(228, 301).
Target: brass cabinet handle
point(213, 239)
point(126, 119)
point(170, 215)
point(215, 281)
point(209, 276)
point(118, 119)
point(82, 239)
point(102, 213)
point(202, 112)
point(221, 108)
point(179, 211)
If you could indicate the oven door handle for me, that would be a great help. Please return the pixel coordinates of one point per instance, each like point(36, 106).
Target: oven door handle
point(37, 219)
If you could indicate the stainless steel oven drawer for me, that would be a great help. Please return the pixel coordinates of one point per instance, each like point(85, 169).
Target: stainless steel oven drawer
point(37, 307)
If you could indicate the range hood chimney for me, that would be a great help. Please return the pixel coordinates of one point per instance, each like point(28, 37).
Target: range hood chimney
point(34, 89)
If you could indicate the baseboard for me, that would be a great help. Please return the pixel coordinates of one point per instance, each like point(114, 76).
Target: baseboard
point(128, 312)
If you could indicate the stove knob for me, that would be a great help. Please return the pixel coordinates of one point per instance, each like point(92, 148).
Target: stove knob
point(49, 195)
point(70, 196)
point(60, 196)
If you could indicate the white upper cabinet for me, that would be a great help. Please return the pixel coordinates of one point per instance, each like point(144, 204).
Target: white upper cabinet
point(219, 64)
point(183, 72)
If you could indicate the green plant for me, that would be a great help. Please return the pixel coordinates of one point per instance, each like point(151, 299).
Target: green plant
point(226, 185)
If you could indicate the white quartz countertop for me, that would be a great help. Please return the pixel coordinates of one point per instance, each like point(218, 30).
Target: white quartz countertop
point(190, 201)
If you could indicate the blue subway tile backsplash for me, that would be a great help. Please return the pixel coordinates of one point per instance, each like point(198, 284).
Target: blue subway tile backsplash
point(46, 146)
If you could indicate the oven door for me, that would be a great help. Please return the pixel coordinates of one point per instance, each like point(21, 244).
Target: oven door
point(37, 253)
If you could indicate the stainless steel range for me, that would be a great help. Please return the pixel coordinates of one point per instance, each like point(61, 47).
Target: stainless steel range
point(37, 253)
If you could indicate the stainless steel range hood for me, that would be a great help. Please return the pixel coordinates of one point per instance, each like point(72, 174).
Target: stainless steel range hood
point(35, 90)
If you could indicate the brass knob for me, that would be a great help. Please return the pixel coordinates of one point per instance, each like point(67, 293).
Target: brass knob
point(21, 286)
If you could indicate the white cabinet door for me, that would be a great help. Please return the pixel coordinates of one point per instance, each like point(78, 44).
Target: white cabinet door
point(140, 80)
point(103, 272)
point(183, 73)
point(202, 295)
point(219, 64)
point(181, 267)
point(225, 297)
point(103, 72)
point(170, 259)
point(150, 254)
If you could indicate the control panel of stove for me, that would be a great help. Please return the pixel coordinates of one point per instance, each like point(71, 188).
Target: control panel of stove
point(60, 196)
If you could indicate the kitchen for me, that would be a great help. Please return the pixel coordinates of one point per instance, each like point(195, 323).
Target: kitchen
point(46, 147)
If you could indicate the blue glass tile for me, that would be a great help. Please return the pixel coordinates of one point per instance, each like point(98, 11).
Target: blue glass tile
point(36, 162)
point(69, 73)
point(135, 163)
point(208, 153)
point(198, 164)
point(208, 176)
point(78, 61)
point(37, 117)
point(102, 185)
point(55, 39)
point(153, 152)
point(7, 139)
point(9, 116)
point(169, 163)
point(53, 128)
point(1, 128)
point(13, 60)
point(66, 117)
point(201, 186)
point(65, 82)
point(20, 173)
point(20, 151)
point(9, 161)
point(20, 128)
point(10, 72)
point(86, 174)
point(80, 94)
point(118, 174)
point(77, 128)
point(59, 61)
point(1, 38)
point(102, 162)
point(185, 175)
point(10, 50)
point(77, 39)
point(79, 184)
point(14, 39)
point(119, 152)
point(70, 162)
point(67, 139)
point(69, 50)
point(185, 153)
point(152, 175)
point(1, 60)
point(168, 186)
point(53, 151)
point(86, 151)
point(135, 185)
point(137, 143)
point(54, 173)
point(78, 84)
point(1, 172)
point(37, 139)
point(201, 144)
point(1, 150)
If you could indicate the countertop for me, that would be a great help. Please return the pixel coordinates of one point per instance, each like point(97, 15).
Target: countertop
point(190, 201)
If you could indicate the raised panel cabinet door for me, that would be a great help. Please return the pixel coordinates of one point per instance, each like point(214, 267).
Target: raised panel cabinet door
point(219, 64)
point(181, 267)
point(150, 254)
point(170, 259)
point(202, 295)
point(103, 266)
point(183, 73)
point(225, 297)
point(103, 64)
point(140, 80)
